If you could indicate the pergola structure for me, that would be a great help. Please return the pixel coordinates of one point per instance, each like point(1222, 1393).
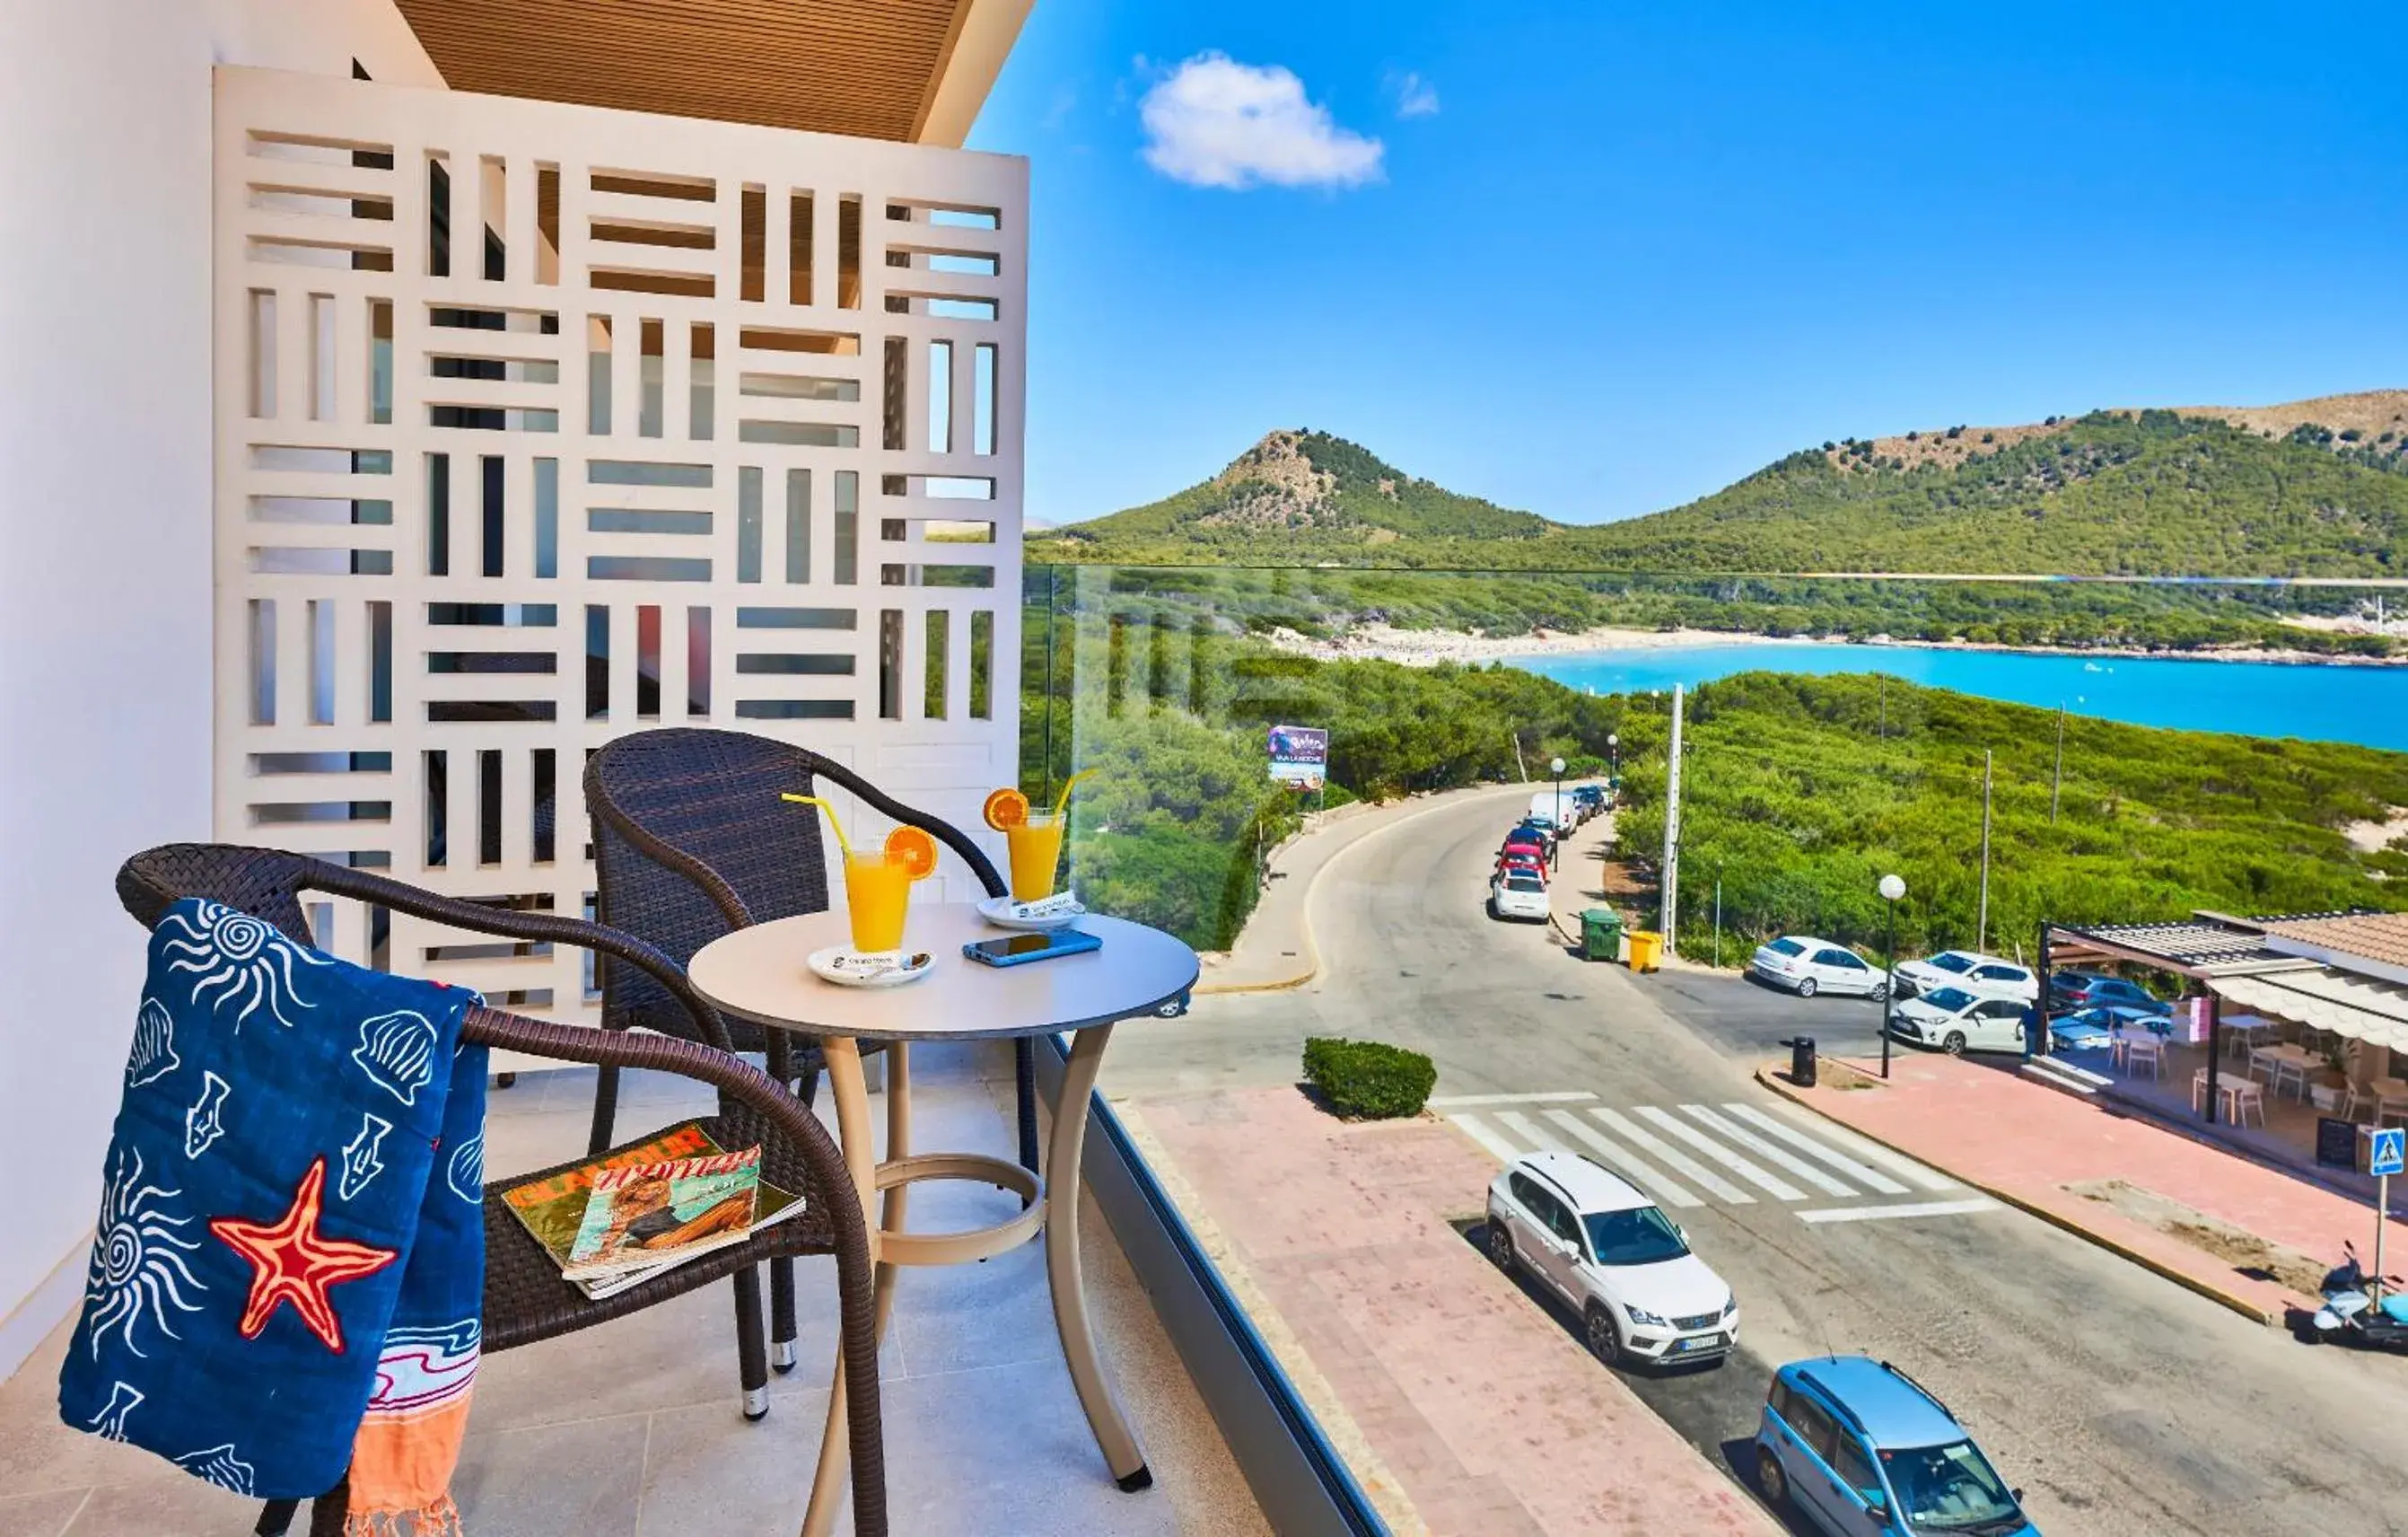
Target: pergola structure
point(2254, 963)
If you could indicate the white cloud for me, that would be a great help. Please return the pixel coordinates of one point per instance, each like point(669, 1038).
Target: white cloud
point(1215, 122)
point(1415, 96)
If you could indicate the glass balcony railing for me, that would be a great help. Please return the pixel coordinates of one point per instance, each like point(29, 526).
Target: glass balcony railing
point(2014, 855)
point(2151, 748)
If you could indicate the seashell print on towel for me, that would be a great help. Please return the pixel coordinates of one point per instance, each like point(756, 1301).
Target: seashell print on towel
point(236, 960)
point(153, 1056)
point(397, 1052)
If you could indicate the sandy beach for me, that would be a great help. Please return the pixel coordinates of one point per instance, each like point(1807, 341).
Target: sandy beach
point(1427, 648)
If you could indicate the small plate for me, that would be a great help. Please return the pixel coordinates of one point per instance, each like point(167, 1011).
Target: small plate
point(1001, 911)
point(845, 967)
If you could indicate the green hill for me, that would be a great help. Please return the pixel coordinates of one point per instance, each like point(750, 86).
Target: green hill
point(2230, 493)
point(1295, 496)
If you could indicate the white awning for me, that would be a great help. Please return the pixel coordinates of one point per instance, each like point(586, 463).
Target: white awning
point(2325, 1000)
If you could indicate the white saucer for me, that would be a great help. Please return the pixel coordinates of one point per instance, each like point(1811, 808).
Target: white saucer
point(845, 967)
point(999, 910)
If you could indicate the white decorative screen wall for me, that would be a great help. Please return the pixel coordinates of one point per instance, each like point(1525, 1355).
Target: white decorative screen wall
point(540, 423)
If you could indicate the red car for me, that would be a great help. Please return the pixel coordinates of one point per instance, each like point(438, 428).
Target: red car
point(1516, 849)
point(1515, 860)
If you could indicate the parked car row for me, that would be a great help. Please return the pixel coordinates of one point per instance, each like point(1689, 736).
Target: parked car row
point(1958, 1001)
point(1854, 1445)
point(1517, 886)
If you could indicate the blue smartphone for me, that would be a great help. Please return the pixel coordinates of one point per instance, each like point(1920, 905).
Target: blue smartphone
point(1020, 948)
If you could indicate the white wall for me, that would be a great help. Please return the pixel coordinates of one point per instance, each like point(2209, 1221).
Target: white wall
point(105, 557)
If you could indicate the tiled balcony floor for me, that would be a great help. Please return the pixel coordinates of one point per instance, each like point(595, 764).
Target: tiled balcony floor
point(634, 1428)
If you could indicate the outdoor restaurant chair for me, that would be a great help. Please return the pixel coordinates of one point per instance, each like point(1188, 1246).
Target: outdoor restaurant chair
point(691, 841)
point(526, 1300)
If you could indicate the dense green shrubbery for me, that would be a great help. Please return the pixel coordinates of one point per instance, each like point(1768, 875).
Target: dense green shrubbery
point(1368, 1078)
point(1798, 794)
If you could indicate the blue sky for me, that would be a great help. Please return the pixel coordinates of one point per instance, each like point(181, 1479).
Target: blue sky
point(1598, 259)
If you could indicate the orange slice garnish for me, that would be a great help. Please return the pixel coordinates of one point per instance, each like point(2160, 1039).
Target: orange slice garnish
point(1007, 808)
point(912, 849)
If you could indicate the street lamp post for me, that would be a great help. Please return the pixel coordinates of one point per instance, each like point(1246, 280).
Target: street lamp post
point(1556, 768)
point(1614, 753)
point(1891, 889)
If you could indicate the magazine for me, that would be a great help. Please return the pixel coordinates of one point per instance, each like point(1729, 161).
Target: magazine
point(638, 1215)
point(553, 1209)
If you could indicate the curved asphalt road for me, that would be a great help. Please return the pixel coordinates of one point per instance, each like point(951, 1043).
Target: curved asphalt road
point(2120, 1402)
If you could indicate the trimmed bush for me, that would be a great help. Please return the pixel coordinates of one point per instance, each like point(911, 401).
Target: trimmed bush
point(1368, 1078)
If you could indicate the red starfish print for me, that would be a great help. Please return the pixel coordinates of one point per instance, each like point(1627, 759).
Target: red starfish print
point(296, 1264)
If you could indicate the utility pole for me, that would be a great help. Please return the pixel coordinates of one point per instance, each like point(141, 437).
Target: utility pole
point(2057, 781)
point(1521, 770)
point(1883, 731)
point(1982, 922)
point(1718, 922)
point(1672, 884)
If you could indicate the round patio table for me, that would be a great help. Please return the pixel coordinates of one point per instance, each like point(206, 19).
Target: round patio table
point(758, 974)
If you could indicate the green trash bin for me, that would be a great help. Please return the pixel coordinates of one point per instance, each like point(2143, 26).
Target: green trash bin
point(1601, 934)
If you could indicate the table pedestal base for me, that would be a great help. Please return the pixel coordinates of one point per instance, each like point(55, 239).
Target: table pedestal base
point(1055, 1208)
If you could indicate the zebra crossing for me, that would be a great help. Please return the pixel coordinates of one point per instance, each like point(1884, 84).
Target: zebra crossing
point(1731, 1154)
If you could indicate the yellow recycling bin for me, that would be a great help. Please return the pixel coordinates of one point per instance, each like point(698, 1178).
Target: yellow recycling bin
point(1647, 950)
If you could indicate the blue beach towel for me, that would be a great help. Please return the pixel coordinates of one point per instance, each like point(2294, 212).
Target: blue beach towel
point(289, 1272)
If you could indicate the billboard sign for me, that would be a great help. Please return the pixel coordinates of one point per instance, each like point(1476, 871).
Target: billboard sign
point(1299, 756)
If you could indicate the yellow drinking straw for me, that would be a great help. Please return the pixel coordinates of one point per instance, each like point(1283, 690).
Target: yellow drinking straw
point(1064, 804)
point(841, 842)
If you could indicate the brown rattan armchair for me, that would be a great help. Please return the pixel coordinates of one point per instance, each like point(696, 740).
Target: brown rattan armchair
point(526, 1298)
point(691, 842)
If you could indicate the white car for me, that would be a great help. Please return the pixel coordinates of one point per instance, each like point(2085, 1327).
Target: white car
point(1625, 1267)
point(1517, 893)
point(1968, 970)
point(1807, 966)
point(1957, 1020)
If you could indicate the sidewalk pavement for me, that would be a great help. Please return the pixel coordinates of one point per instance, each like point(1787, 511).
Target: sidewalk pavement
point(1461, 1405)
point(1275, 950)
point(2036, 1148)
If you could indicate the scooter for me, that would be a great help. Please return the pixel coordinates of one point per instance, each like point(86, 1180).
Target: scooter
point(2350, 1316)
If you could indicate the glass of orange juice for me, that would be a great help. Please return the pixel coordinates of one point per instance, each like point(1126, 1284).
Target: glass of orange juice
point(1036, 849)
point(1032, 837)
point(878, 881)
point(877, 895)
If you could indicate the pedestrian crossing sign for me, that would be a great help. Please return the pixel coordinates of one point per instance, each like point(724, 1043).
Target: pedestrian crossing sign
point(2390, 1150)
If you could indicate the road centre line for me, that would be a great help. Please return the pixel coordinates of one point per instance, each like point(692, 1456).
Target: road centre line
point(1477, 1129)
point(1666, 1189)
point(1688, 1166)
point(1779, 1189)
point(1869, 1150)
point(1911, 1209)
point(1863, 1174)
point(1708, 1118)
point(1554, 1096)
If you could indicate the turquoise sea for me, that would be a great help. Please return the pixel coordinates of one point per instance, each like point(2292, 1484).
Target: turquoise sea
point(2368, 705)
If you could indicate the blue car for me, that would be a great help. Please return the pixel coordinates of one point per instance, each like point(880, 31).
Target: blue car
point(2083, 1028)
point(1860, 1448)
point(2090, 990)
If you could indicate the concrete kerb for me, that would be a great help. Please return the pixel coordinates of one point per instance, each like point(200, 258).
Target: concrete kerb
point(1770, 1076)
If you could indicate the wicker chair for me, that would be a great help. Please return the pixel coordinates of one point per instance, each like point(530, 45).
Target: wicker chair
point(526, 1298)
point(690, 842)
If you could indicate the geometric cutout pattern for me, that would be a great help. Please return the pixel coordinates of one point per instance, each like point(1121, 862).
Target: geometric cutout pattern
point(539, 424)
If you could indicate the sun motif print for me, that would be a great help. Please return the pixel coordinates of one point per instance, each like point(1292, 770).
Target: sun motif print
point(236, 961)
point(138, 1271)
point(294, 1262)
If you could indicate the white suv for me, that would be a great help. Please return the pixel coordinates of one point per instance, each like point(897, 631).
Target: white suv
point(1968, 970)
point(1607, 1250)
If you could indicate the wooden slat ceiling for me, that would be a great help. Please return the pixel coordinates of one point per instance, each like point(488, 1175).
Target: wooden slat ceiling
point(863, 67)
